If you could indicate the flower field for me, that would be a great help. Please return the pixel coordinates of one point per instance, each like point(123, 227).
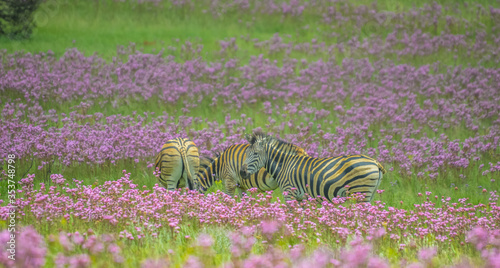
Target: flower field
point(416, 87)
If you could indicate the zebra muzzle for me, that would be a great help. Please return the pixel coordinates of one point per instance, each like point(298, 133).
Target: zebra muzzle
point(243, 171)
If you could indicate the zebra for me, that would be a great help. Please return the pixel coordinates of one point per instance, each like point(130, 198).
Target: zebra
point(319, 177)
point(226, 167)
point(178, 161)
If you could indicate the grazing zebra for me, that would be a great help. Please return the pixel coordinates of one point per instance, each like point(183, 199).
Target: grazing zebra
point(178, 161)
point(226, 167)
point(325, 177)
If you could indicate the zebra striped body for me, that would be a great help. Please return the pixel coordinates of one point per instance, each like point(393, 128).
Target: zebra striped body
point(226, 167)
point(325, 177)
point(178, 161)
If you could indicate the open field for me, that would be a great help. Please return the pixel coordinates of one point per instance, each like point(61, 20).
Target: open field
point(88, 101)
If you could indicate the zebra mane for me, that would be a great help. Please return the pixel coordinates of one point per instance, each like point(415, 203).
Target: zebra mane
point(284, 146)
point(257, 134)
point(289, 147)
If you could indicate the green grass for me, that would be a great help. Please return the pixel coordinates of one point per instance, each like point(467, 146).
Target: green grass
point(100, 26)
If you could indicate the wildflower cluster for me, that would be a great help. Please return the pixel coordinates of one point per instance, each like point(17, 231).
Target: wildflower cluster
point(343, 232)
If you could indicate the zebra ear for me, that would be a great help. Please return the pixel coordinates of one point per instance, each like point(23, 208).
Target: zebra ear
point(248, 137)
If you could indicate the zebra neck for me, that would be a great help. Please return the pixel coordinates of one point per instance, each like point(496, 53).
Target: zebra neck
point(275, 160)
point(272, 167)
point(278, 153)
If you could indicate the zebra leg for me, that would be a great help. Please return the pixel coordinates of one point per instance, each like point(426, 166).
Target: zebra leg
point(175, 180)
point(170, 172)
point(230, 186)
point(287, 193)
point(288, 196)
point(172, 180)
point(243, 192)
point(380, 175)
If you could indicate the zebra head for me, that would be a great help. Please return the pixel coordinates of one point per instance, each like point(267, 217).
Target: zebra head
point(256, 156)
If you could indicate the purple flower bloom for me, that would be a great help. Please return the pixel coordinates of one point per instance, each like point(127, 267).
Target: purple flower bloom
point(155, 263)
point(30, 250)
point(269, 228)
point(205, 240)
point(479, 237)
point(425, 255)
point(79, 261)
